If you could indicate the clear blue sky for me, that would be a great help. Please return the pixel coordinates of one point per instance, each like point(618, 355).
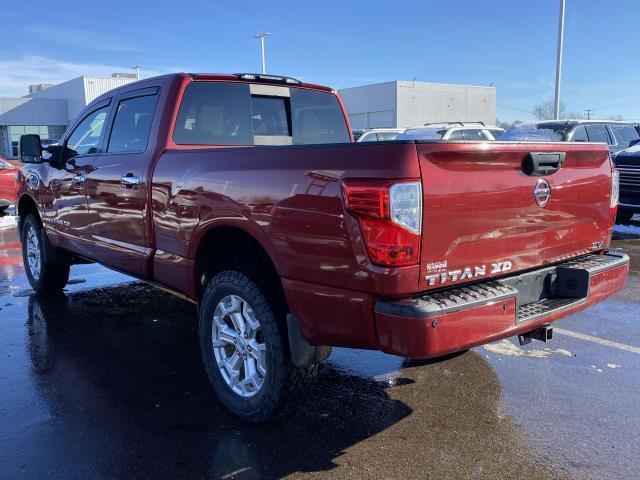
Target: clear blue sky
point(509, 43)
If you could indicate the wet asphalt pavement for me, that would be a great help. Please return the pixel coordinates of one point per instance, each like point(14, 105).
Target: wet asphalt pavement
point(106, 381)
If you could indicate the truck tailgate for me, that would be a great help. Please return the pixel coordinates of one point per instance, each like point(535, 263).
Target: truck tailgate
point(481, 218)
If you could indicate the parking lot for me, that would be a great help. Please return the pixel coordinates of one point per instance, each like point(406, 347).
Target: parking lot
point(106, 381)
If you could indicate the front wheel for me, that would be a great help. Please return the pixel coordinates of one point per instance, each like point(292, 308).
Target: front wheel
point(45, 275)
point(244, 348)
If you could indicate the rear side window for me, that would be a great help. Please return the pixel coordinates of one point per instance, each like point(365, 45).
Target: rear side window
point(580, 135)
point(624, 133)
point(456, 135)
point(215, 113)
point(317, 118)
point(473, 135)
point(131, 127)
point(598, 133)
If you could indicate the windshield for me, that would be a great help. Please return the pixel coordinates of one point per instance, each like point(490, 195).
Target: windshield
point(546, 132)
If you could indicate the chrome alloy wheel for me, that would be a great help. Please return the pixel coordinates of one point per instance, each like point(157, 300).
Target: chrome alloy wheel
point(238, 346)
point(33, 252)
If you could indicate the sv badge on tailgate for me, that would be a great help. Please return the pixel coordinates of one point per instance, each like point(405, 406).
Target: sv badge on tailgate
point(467, 273)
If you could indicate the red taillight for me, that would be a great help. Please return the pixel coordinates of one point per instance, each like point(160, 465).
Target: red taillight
point(615, 193)
point(390, 218)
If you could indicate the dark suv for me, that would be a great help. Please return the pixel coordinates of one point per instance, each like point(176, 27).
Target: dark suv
point(618, 135)
point(628, 164)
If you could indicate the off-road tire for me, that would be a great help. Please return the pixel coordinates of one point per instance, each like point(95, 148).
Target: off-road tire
point(54, 273)
point(281, 378)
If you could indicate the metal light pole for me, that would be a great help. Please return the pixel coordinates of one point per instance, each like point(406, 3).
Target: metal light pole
point(556, 104)
point(137, 69)
point(261, 37)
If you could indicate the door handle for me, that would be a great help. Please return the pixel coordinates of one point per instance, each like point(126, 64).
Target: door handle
point(130, 180)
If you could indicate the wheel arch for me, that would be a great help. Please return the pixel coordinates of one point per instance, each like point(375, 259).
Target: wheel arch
point(235, 242)
point(26, 205)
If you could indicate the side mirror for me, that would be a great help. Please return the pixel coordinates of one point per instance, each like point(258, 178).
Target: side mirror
point(633, 143)
point(30, 148)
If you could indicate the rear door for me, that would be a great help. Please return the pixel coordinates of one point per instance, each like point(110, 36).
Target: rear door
point(117, 185)
point(481, 215)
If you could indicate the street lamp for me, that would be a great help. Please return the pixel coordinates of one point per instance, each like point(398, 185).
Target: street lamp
point(556, 104)
point(137, 69)
point(261, 37)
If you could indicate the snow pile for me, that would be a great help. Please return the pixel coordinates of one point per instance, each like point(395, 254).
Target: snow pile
point(7, 222)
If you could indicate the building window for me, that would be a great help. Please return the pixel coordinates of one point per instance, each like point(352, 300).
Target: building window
point(52, 133)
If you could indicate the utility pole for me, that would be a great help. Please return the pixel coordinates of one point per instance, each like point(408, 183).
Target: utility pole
point(588, 113)
point(261, 37)
point(556, 104)
point(137, 69)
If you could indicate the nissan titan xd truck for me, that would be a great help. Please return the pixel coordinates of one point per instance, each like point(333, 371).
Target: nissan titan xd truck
point(246, 195)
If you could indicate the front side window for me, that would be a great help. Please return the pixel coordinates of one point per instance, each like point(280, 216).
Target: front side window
point(85, 139)
point(597, 133)
point(387, 136)
point(131, 127)
point(624, 133)
point(473, 135)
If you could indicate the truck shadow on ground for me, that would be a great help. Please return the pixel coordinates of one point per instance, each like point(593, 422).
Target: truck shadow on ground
point(119, 368)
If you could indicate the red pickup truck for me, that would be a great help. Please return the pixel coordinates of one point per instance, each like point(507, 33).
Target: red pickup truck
point(246, 195)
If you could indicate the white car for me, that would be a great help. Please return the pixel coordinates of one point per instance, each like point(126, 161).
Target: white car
point(452, 131)
point(379, 134)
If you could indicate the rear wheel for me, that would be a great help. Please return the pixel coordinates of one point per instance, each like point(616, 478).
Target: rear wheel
point(624, 217)
point(244, 348)
point(45, 275)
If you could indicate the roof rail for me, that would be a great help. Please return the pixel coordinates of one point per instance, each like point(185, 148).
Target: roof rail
point(462, 124)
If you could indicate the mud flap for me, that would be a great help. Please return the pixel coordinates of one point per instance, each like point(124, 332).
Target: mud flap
point(303, 353)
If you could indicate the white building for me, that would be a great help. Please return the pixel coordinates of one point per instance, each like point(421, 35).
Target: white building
point(401, 104)
point(48, 109)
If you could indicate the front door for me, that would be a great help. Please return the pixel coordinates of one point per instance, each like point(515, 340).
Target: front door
point(69, 215)
point(118, 184)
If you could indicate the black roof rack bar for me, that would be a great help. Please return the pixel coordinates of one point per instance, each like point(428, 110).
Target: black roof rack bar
point(263, 77)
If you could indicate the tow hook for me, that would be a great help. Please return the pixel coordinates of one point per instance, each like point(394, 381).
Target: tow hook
point(544, 334)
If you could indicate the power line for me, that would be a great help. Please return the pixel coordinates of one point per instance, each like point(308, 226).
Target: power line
point(588, 113)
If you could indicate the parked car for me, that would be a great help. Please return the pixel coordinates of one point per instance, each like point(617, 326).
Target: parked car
point(617, 135)
point(245, 195)
point(628, 164)
point(379, 134)
point(452, 131)
point(8, 173)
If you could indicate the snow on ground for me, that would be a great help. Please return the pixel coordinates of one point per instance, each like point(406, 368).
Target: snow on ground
point(7, 222)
